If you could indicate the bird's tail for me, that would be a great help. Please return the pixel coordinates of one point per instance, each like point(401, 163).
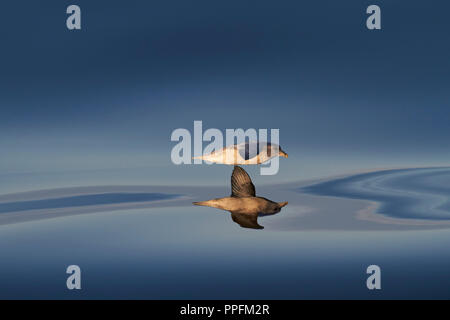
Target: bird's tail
point(201, 203)
point(210, 203)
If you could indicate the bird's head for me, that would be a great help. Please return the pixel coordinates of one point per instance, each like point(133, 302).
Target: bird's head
point(271, 148)
point(282, 204)
point(274, 207)
point(282, 153)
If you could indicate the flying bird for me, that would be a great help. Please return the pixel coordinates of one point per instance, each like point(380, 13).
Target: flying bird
point(245, 153)
point(244, 205)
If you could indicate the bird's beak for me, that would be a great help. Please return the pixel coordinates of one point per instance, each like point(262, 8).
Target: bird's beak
point(283, 154)
point(282, 204)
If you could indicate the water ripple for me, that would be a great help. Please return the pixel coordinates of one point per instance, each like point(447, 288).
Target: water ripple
point(83, 200)
point(402, 193)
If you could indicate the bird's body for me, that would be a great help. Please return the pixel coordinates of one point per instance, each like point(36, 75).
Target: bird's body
point(243, 203)
point(250, 205)
point(244, 154)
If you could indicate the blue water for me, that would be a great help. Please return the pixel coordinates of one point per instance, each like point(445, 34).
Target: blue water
point(403, 193)
point(188, 252)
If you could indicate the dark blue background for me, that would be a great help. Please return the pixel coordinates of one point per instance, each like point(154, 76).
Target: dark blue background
point(110, 95)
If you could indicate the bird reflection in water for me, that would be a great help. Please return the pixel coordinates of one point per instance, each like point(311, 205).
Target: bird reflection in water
point(244, 205)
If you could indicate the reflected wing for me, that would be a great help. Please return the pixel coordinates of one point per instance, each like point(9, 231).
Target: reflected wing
point(241, 184)
point(246, 220)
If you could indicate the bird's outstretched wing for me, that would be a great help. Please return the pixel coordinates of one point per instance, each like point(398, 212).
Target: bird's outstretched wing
point(248, 150)
point(241, 184)
point(246, 220)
